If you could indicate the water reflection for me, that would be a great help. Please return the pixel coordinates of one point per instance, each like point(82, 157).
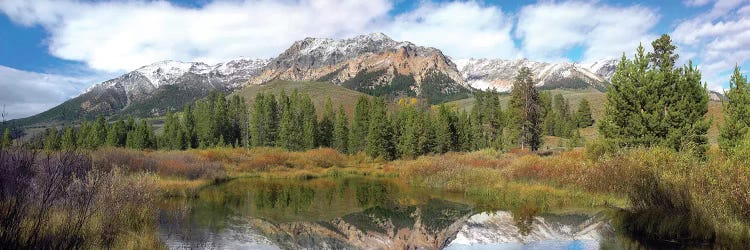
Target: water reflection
point(367, 213)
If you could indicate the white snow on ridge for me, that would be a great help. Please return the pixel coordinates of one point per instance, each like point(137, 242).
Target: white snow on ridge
point(165, 72)
point(499, 73)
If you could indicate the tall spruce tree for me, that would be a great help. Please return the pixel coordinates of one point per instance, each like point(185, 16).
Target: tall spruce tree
point(326, 126)
point(525, 111)
point(309, 123)
point(583, 115)
point(443, 133)
point(650, 102)
point(378, 141)
point(51, 139)
point(188, 124)
point(360, 125)
point(341, 131)
point(68, 140)
point(736, 113)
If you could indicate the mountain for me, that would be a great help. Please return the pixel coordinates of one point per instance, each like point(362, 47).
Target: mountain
point(374, 64)
point(151, 90)
point(499, 73)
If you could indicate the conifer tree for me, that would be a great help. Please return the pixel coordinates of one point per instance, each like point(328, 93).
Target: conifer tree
point(97, 134)
point(442, 130)
point(650, 102)
point(360, 125)
point(51, 139)
point(117, 134)
point(83, 134)
point(173, 137)
point(525, 111)
point(341, 131)
point(408, 142)
point(188, 125)
point(68, 140)
point(309, 123)
point(736, 113)
point(204, 126)
point(290, 125)
point(583, 115)
point(378, 138)
point(326, 126)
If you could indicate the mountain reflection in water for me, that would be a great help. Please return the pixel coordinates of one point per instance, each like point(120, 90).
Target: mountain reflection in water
point(355, 213)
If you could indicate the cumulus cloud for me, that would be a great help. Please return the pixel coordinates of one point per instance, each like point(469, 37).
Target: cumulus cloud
point(718, 39)
point(550, 29)
point(27, 93)
point(460, 29)
point(118, 36)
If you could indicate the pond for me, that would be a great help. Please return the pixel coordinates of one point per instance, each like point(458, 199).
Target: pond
point(372, 213)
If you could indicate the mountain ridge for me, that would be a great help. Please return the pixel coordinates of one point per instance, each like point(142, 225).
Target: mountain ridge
point(372, 64)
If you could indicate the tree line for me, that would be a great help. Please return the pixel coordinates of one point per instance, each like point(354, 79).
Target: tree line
point(405, 129)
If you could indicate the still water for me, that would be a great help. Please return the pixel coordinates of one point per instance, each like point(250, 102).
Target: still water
point(368, 213)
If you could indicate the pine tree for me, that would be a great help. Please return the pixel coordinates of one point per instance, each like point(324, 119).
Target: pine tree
point(623, 121)
point(116, 134)
point(188, 126)
point(204, 127)
point(360, 125)
point(6, 141)
point(309, 123)
point(736, 113)
point(525, 110)
point(83, 135)
point(51, 139)
point(264, 120)
point(173, 137)
point(650, 102)
point(443, 132)
point(326, 126)
point(378, 138)
point(97, 134)
point(341, 131)
point(68, 141)
point(583, 115)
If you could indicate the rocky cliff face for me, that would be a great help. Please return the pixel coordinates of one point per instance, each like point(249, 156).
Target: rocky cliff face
point(365, 63)
point(499, 73)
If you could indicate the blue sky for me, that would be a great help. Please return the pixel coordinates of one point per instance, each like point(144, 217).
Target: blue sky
point(52, 50)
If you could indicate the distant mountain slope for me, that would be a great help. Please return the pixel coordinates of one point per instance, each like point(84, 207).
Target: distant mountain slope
point(151, 90)
point(374, 64)
point(499, 73)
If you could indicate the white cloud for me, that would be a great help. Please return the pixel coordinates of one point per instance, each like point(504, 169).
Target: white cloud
point(27, 93)
point(121, 36)
point(550, 29)
point(459, 29)
point(718, 39)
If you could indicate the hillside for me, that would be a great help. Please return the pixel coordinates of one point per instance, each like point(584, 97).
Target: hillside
point(318, 92)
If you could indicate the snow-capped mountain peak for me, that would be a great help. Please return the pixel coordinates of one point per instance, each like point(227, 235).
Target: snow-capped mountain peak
point(499, 73)
point(163, 72)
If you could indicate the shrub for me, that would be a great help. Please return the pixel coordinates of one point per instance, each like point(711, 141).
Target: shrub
point(59, 201)
point(595, 149)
